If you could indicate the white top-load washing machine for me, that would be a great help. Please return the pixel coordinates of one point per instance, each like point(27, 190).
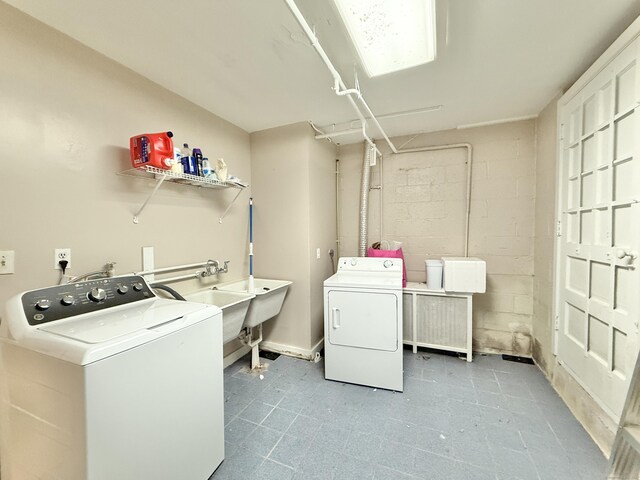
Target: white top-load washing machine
point(102, 380)
point(363, 322)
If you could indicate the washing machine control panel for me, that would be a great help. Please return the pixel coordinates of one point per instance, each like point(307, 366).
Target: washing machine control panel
point(64, 301)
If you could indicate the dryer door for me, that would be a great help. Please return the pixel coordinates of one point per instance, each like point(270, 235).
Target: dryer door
point(365, 319)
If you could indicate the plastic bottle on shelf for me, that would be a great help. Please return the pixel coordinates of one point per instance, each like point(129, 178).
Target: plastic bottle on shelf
point(177, 161)
point(197, 154)
point(206, 167)
point(152, 149)
point(188, 162)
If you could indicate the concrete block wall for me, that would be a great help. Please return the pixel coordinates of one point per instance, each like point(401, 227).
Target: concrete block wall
point(423, 200)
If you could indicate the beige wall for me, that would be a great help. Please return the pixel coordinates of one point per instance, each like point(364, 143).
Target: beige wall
point(294, 213)
point(546, 136)
point(322, 227)
point(67, 115)
point(424, 194)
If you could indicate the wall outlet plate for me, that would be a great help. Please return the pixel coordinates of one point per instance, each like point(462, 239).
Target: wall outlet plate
point(318, 253)
point(62, 254)
point(7, 262)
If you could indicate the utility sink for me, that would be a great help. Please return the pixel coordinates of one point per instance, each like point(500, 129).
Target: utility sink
point(269, 297)
point(234, 306)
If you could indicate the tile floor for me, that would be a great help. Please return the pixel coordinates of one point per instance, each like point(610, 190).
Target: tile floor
point(490, 419)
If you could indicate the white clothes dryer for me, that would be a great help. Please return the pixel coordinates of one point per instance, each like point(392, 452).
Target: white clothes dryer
point(102, 380)
point(363, 322)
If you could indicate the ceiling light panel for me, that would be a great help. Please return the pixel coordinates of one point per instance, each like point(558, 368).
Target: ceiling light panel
point(390, 35)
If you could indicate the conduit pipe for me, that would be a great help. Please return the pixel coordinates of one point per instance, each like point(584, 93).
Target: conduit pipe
point(337, 208)
point(363, 238)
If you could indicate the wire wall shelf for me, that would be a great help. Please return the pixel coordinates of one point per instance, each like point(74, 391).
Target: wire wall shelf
point(160, 176)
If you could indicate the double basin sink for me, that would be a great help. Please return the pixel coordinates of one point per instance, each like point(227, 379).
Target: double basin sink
point(242, 308)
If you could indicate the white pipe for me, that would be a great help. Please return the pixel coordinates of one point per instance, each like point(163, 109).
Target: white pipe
point(191, 276)
point(341, 89)
point(337, 209)
point(339, 86)
point(469, 148)
point(174, 269)
point(338, 134)
point(381, 190)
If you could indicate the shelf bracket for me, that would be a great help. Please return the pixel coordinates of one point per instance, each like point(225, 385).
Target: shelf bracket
point(230, 205)
point(136, 216)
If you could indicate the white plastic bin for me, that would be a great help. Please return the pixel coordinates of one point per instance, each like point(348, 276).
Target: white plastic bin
point(434, 274)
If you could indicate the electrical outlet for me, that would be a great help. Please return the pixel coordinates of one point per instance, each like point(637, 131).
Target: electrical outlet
point(318, 253)
point(62, 254)
point(7, 262)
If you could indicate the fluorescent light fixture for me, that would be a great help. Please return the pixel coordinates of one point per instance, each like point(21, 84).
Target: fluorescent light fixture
point(390, 35)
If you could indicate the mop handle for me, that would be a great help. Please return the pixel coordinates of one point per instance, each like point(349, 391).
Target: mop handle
point(251, 236)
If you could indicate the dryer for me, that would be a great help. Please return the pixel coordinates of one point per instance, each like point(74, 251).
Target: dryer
point(102, 380)
point(363, 322)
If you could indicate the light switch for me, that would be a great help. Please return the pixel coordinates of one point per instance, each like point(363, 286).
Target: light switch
point(7, 262)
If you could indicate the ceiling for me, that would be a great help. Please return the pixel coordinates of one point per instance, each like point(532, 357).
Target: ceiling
point(248, 61)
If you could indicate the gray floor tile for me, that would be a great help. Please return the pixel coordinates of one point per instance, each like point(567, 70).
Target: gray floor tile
point(261, 441)
point(256, 411)
point(273, 471)
point(470, 450)
point(304, 426)
point(290, 450)
point(397, 457)
point(279, 419)
point(401, 432)
point(330, 437)
point(363, 446)
point(319, 460)
point(384, 473)
point(271, 395)
point(235, 403)
point(501, 437)
point(514, 462)
point(239, 466)
point(486, 385)
point(490, 419)
point(515, 390)
point(352, 468)
point(238, 430)
point(434, 441)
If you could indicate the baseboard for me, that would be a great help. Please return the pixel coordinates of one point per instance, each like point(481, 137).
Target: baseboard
point(235, 356)
point(291, 351)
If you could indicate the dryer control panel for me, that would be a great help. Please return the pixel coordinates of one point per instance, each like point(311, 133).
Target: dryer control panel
point(64, 301)
point(369, 264)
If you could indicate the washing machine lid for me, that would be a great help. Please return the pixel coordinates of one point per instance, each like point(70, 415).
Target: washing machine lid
point(109, 325)
point(91, 337)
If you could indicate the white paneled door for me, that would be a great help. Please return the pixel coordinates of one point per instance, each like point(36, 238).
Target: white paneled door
point(599, 190)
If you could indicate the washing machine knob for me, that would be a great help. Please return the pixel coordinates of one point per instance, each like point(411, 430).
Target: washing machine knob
point(354, 262)
point(43, 304)
point(137, 287)
point(122, 289)
point(66, 300)
point(97, 294)
point(387, 264)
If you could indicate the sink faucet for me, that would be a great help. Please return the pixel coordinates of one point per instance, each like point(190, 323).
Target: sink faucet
point(225, 268)
point(213, 267)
